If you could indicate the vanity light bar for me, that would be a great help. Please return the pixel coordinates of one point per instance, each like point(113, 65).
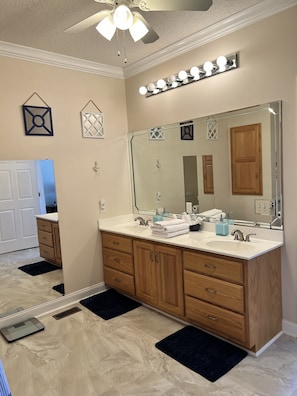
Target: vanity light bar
point(222, 64)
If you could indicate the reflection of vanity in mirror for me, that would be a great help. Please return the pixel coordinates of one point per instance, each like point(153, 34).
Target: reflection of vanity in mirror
point(27, 189)
point(230, 161)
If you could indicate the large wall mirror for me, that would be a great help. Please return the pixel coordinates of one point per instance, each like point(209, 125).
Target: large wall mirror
point(229, 161)
point(27, 188)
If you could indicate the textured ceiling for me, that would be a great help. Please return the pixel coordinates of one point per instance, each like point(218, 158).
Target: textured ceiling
point(40, 24)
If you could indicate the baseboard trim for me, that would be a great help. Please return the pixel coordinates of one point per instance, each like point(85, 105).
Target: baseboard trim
point(51, 306)
point(290, 328)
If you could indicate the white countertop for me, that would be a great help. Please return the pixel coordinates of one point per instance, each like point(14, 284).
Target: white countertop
point(205, 240)
point(49, 216)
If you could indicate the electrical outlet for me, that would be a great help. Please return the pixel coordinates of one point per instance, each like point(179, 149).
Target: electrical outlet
point(264, 207)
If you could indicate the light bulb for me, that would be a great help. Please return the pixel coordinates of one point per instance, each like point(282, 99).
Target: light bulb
point(171, 79)
point(208, 67)
point(161, 83)
point(151, 87)
point(195, 72)
point(222, 62)
point(182, 75)
point(142, 90)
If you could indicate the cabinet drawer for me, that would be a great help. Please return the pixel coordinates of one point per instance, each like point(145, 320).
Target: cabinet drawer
point(119, 280)
point(121, 243)
point(215, 291)
point(218, 320)
point(45, 238)
point(218, 267)
point(118, 260)
point(47, 252)
point(44, 225)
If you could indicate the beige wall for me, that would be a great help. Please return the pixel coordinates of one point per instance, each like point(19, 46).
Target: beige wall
point(267, 72)
point(79, 188)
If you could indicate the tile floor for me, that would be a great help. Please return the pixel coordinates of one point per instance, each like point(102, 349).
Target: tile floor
point(18, 289)
point(84, 355)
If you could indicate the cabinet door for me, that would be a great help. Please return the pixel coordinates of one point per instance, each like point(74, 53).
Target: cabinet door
point(170, 279)
point(145, 271)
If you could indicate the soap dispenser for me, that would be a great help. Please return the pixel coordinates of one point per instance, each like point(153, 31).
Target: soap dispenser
point(222, 227)
point(157, 217)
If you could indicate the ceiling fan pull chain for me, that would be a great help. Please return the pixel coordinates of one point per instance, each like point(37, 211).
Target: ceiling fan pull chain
point(118, 43)
point(125, 47)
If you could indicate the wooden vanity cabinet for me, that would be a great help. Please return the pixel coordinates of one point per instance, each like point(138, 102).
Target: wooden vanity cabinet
point(118, 262)
point(49, 241)
point(237, 299)
point(234, 298)
point(159, 276)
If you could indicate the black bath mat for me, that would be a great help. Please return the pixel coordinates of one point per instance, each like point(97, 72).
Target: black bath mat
point(201, 352)
point(42, 267)
point(59, 288)
point(109, 304)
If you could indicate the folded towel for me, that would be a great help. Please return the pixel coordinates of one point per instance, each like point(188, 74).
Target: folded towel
point(171, 227)
point(210, 213)
point(167, 234)
point(169, 222)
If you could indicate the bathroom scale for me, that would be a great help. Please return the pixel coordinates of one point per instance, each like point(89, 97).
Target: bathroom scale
point(22, 329)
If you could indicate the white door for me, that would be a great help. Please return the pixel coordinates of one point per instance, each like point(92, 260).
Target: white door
point(19, 203)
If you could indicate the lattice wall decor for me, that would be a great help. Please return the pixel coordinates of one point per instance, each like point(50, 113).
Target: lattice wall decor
point(156, 133)
point(92, 122)
point(212, 131)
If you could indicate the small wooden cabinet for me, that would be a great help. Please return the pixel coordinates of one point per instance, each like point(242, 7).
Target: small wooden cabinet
point(49, 241)
point(118, 262)
point(237, 299)
point(159, 276)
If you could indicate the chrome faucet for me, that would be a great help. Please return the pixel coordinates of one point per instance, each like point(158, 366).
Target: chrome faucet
point(142, 221)
point(238, 235)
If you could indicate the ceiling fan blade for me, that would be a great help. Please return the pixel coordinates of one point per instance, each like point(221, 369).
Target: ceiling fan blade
point(88, 22)
point(176, 5)
point(151, 35)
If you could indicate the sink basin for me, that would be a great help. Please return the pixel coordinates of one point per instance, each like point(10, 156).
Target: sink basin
point(234, 246)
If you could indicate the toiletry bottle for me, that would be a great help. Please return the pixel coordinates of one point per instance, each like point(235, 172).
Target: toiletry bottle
point(157, 217)
point(222, 227)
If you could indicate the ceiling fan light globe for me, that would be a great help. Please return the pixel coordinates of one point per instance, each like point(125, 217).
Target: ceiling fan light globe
point(122, 17)
point(106, 27)
point(138, 29)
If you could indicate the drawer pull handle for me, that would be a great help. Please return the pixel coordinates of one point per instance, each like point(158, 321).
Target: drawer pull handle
point(210, 266)
point(116, 280)
point(213, 318)
point(115, 243)
point(152, 256)
point(117, 260)
point(211, 291)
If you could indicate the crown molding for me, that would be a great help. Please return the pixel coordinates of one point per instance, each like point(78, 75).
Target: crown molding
point(52, 59)
point(229, 25)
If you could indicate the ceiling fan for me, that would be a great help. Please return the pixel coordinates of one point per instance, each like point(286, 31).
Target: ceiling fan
point(121, 17)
